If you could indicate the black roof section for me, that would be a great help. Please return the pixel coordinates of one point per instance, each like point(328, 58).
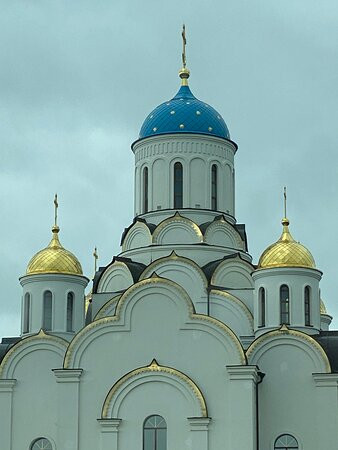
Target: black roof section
point(6, 344)
point(329, 341)
point(135, 268)
point(210, 268)
point(136, 219)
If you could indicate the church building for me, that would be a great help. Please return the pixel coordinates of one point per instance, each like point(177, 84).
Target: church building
point(184, 342)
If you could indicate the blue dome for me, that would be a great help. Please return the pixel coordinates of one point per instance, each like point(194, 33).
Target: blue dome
point(184, 114)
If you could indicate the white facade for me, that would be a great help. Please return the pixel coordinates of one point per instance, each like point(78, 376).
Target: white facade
point(175, 329)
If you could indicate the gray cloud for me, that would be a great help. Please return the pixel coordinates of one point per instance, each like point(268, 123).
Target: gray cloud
point(78, 78)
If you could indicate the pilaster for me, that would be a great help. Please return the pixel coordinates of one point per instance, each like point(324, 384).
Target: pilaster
point(109, 433)
point(68, 407)
point(6, 401)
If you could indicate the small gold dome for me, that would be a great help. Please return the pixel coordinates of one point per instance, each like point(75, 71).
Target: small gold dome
point(54, 259)
point(286, 252)
point(322, 307)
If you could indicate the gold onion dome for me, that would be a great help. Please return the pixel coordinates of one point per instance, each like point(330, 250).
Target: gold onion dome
point(286, 252)
point(54, 259)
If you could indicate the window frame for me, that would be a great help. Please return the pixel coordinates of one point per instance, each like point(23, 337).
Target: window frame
point(26, 313)
point(261, 307)
point(31, 447)
point(145, 189)
point(288, 447)
point(178, 183)
point(285, 302)
point(70, 296)
point(214, 186)
point(307, 306)
point(155, 445)
point(44, 317)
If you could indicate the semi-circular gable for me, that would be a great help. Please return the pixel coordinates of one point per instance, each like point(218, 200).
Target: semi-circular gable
point(116, 277)
point(137, 236)
point(233, 273)
point(177, 230)
point(222, 234)
point(122, 320)
point(40, 341)
point(286, 336)
point(152, 373)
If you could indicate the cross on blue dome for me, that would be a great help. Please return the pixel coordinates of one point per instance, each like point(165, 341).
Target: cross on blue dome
point(184, 114)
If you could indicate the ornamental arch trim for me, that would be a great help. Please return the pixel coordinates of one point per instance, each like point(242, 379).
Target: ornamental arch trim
point(273, 338)
point(177, 221)
point(174, 257)
point(118, 268)
point(26, 346)
point(151, 373)
point(122, 321)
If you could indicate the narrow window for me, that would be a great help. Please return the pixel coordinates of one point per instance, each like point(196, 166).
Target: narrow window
point(307, 306)
point(214, 187)
point(155, 433)
point(178, 185)
point(284, 305)
point(286, 442)
point(145, 189)
point(261, 307)
point(70, 311)
point(26, 312)
point(41, 444)
point(47, 311)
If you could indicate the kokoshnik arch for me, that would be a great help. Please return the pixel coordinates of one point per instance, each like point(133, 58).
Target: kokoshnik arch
point(183, 342)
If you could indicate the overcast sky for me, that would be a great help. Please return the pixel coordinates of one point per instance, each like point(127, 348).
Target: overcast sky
point(77, 79)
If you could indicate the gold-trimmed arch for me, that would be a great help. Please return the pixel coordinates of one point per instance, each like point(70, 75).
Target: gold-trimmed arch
point(178, 219)
point(102, 311)
point(173, 257)
point(285, 331)
point(223, 224)
point(236, 300)
point(152, 368)
point(191, 317)
point(40, 336)
point(115, 264)
point(227, 262)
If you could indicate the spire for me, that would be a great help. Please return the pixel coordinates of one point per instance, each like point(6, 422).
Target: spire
point(184, 72)
point(96, 257)
point(55, 228)
point(55, 243)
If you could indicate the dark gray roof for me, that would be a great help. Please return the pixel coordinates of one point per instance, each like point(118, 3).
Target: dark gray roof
point(6, 344)
point(210, 268)
point(135, 268)
point(329, 341)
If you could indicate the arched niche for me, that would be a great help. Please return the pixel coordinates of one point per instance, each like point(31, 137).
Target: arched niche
point(222, 234)
point(182, 271)
point(177, 230)
point(159, 376)
point(232, 311)
point(31, 346)
point(290, 347)
point(116, 277)
point(137, 236)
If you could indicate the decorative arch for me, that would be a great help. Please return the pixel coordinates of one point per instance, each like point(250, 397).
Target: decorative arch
point(221, 233)
point(40, 341)
point(177, 229)
point(283, 335)
point(182, 271)
point(151, 373)
point(116, 277)
point(121, 320)
point(138, 236)
point(108, 309)
point(233, 306)
point(233, 273)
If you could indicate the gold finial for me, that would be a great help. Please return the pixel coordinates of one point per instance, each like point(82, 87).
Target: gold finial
point(184, 72)
point(55, 228)
point(285, 221)
point(96, 257)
